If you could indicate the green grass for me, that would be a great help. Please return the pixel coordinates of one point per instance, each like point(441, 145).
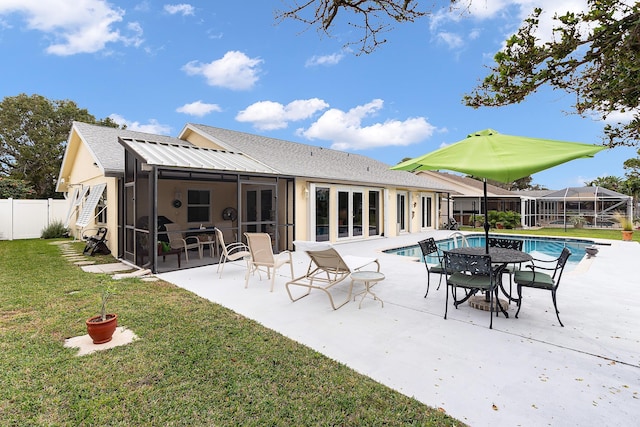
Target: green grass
point(583, 233)
point(196, 363)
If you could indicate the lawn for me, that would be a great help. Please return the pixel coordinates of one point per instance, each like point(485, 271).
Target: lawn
point(196, 363)
point(585, 233)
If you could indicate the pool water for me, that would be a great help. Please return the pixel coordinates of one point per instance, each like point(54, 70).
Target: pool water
point(548, 246)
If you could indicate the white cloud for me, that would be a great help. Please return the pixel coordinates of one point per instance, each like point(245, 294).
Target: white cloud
point(234, 70)
point(332, 59)
point(452, 40)
point(152, 127)
point(183, 8)
point(76, 27)
point(346, 130)
point(269, 115)
point(513, 12)
point(198, 108)
point(616, 116)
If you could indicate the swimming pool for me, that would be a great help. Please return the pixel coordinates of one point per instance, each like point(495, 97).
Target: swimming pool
point(549, 247)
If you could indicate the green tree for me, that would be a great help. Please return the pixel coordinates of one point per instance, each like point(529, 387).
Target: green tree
point(594, 55)
point(613, 183)
point(632, 175)
point(15, 189)
point(33, 134)
point(524, 183)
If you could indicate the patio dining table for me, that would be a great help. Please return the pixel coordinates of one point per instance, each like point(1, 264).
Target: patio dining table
point(502, 256)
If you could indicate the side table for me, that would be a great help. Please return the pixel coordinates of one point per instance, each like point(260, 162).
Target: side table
point(368, 278)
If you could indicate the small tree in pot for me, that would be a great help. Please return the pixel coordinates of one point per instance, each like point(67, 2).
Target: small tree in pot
point(626, 224)
point(101, 327)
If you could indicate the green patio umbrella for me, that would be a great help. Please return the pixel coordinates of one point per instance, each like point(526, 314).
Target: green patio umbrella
point(489, 154)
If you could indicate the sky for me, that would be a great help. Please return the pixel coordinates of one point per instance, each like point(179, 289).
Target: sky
point(158, 65)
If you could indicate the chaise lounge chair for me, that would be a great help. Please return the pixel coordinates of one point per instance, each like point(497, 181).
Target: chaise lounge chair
point(326, 269)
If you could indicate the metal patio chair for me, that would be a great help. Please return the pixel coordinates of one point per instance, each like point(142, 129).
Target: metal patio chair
point(536, 277)
point(429, 247)
point(472, 273)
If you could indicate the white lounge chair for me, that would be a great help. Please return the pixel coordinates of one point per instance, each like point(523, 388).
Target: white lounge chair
point(327, 268)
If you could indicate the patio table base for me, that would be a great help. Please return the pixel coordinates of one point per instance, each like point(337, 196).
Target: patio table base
point(481, 303)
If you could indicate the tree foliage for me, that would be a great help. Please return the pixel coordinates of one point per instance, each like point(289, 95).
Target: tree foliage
point(373, 18)
point(33, 134)
point(629, 185)
point(612, 183)
point(594, 55)
point(15, 189)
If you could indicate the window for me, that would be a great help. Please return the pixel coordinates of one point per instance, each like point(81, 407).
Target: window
point(101, 208)
point(198, 206)
point(401, 201)
point(374, 209)
point(322, 214)
point(425, 211)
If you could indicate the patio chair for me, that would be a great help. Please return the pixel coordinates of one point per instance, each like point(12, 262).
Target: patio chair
point(326, 269)
point(262, 257)
point(535, 278)
point(428, 247)
point(96, 244)
point(228, 231)
point(177, 240)
point(231, 252)
point(510, 269)
point(472, 273)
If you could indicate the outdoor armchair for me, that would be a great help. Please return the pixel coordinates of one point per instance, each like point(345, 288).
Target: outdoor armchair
point(263, 258)
point(177, 240)
point(536, 277)
point(510, 269)
point(472, 273)
point(429, 248)
point(326, 269)
point(231, 252)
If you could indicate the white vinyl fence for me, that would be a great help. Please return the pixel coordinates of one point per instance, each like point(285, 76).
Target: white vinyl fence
point(25, 219)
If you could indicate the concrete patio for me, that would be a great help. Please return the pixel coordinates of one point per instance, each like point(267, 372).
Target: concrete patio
point(524, 372)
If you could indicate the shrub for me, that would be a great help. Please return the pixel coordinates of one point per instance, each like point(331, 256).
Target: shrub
point(508, 219)
point(54, 230)
point(624, 221)
point(578, 221)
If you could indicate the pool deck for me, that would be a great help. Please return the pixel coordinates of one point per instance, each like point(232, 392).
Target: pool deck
point(524, 372)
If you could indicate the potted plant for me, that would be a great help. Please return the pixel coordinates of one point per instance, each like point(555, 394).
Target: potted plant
point(627, 226)
point(578, 221)
point(101, 327)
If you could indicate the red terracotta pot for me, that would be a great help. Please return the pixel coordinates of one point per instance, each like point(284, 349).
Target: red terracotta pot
point(101, 331)
point(627, 235)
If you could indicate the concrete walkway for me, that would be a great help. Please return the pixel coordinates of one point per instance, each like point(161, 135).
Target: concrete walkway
point(524, 372)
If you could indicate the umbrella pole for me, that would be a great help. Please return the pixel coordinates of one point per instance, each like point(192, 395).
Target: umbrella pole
point(486, 217)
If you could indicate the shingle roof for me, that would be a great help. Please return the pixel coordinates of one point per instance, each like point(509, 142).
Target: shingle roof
point(284, 157)
point(302, 160)
point(492, 190)
point(102, 141)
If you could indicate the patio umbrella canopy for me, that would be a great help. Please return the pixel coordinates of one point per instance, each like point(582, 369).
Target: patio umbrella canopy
point(505, 158)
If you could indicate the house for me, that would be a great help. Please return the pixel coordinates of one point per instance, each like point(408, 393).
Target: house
point(135, 183)
point(466, 198)
point(536, 207)
point(597, 205)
